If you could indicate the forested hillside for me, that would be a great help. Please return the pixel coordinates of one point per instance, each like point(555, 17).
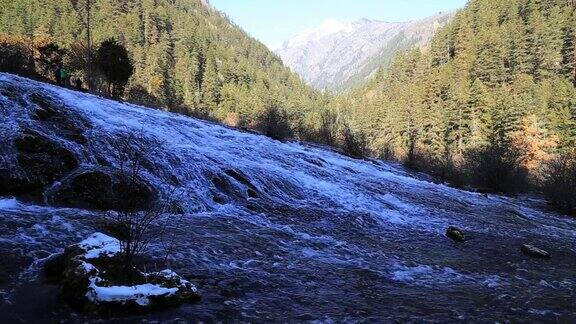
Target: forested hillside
point(187, 56)
point(496, 87)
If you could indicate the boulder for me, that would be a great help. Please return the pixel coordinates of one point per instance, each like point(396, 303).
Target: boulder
point(93, 279)
point(12, 185)
point(456, 234)
point(102, 189)
point(534, 252)
point(54, 267)
point(42, 159)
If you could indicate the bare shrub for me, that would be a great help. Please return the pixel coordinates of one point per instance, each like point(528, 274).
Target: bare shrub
point(496, 168)
point(274, 123)
point(16, 55)
point(447, 168)
point(354, 143)
point(560, 183)
point(140, 96)
point(47, 56)
point(136, 224)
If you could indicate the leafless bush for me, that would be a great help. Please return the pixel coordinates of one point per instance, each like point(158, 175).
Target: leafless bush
point(560, 183)
point(354, 143)
point(445, 168)
point(496, 168)
point(16, 55)
point(274, 123)
point(136, 222)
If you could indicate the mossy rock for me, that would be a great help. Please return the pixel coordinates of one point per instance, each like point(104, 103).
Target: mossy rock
point(456, 234)
point(93, 278)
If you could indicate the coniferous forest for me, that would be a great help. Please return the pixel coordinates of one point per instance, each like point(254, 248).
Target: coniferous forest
point(491, 103)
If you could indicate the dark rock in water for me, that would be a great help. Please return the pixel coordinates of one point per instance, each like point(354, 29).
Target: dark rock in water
point(13, 260)
point(42, 159)
point(94, 279)
point(243, 179)
point(90, 189)
point(456, 234)
point(102, 189)
point(54, 267)
point(12, 93)
point(234, 185)
point(11, 185)
point(534, 252)
point(219, 199)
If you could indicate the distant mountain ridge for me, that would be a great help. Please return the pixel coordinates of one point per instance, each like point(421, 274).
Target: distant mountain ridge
point(339, 56)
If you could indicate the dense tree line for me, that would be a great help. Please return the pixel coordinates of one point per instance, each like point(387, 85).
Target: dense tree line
point(492, 102)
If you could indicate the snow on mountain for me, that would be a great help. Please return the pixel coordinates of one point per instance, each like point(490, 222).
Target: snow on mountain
point(270, 231)
point(328, 27)
point(338, 55)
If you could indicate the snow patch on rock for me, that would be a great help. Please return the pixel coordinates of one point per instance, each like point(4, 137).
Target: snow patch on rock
point(139, 293)
point(100, 245)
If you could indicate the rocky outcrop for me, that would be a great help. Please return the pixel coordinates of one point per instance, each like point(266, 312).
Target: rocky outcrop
point(42, 161)
point(94, 279)
point(103, 189)
point(534, 252)
point(456, 234)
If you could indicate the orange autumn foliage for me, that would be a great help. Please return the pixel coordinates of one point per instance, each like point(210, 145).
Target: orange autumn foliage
point(535, 143)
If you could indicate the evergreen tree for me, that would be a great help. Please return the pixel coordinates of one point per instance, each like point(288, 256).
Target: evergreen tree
point(113, 61)
point(568, 53)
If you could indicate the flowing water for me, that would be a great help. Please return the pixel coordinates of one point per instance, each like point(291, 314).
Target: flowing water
point(287, 232)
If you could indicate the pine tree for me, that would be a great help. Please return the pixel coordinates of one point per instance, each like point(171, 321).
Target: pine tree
point(568, 53)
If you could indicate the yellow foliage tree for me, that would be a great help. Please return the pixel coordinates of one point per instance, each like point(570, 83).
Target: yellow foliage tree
point(535, 143)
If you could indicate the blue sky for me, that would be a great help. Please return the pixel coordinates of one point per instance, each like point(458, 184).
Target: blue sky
point(274, 21)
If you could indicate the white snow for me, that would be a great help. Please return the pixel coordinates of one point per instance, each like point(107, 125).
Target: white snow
point(8, 203)
point(326, 28)
point(99, 244)
point(88, 267)
point(139, 293)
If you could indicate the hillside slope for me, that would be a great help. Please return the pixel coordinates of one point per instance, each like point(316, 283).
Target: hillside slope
point(270, 231)
point(500, 77)
point(339, 56)
point(187, 56)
